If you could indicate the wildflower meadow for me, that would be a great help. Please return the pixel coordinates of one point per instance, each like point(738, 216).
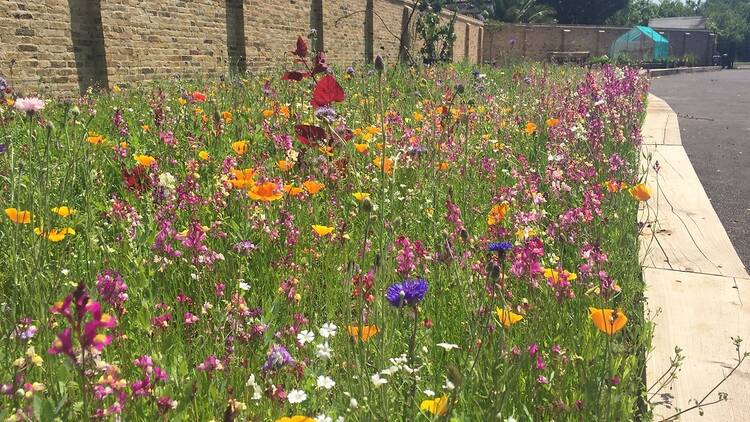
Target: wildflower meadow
point(318, 244)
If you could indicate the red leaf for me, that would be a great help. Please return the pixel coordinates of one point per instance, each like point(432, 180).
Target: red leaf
point(319, 64)
point(327, 91)
point(309, 135)
point(301, 50)
point(294, 76)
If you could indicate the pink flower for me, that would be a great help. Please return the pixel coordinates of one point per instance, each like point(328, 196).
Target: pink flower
point(29, 104)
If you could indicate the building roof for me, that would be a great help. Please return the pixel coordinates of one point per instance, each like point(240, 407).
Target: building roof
point(681, 22)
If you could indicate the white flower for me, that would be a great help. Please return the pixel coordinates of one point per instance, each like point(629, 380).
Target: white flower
point(244, 286)
point(353, 403)
point(328, 330)
point(511, 419)
point(296, 396)
point(323, 351)
point(377, 381)
point(323, 418)
point(390, 370)
point(325, 382)
point(305, 336)
point(65, 271)
point(429, 393)
point(167, 181)
point(448, 385)
point(448, 346)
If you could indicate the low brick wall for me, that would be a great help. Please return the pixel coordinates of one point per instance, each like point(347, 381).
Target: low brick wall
point(65, 46)
point(537, 41)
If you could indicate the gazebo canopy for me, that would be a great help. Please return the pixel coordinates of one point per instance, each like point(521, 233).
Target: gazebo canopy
point(641, 42)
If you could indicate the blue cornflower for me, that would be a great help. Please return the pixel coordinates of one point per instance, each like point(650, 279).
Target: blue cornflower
point(3, 148)
point(408, 292)
point(500, 246)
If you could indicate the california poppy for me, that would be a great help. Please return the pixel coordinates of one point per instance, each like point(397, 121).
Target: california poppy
point(554, 275)
point(497, 213)
point(313, 186)
point(94, 139)
point(204, 155)
point(367, 331)
point(265, 192)
point(242, 178)
point(388, 168)
point(530, 128)
point(145, 160)
point(360, 196)
point(55, 235)
point(608, 321)
point(361, 148)
point(437, 407)
point(63, 211)
point(507, 318)
point(284, 165)
point(552, 122)
point(297, 418)
point(227, 117)
point(322, 230)
point(292, 190)
point(18, 216)
point(640, 192)
point(240, 147)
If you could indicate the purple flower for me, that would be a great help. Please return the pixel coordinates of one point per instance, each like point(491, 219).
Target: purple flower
point(30, 105)
point(3, 148)
point(278, 356)
point(408, 292)
point(112, 288)
point(326, 113)
point(500, 246)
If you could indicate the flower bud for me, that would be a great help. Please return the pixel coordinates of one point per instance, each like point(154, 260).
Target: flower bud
point(379, 65)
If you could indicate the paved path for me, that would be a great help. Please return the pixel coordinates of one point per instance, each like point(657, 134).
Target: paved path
point(696, 285)
point(713, 110)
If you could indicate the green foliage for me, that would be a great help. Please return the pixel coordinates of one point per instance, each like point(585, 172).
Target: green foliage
point(584, 11)
point(436, 34)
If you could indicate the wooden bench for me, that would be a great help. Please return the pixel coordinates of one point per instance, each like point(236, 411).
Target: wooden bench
point(560, 57)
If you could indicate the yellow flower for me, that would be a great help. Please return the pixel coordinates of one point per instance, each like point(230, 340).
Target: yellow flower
point(443, 166)
point(322, 230)
point(145, 160)
point(265, 192)
point(497, 213)
point(94, 138)
point(640, 192)
point(608, 321)
point(63, 211)
point(116, 89)
point(10, 102)
point(54, 235)
point(388, 168)
point(146, 128)
point(182, 101)
point(367, 331)
point(227, 116)
point(437, 407)
point(18, 216)
point(554, 275)
point(204, 155)
point(313, 186)
point(267, 113)
point(507, 318)
point(530, 128)
point(417, 116)
point(525, 233)
point(292, 190)
point(552, 122)
point(360, 196)
point(240, 147)
point(297, 418)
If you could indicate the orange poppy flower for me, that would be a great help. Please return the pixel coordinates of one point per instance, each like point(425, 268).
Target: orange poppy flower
point(554, 275)
point(367, 331)
point(552, 122)
point(530, 128)
point(284, 111)
point(240, 147)
point(507, 318)
point(497, 213)
point(322, 230)
point(443, 166)
point(204, 155)
point(18, 216)
point(146, 128)
point(608, 321)
point(388, 168)
point(437, 407)
point(640, 192)
point(55, 235)
point(145, 160)
point(615, 186)
point(284, 165)
point(227, 117)
point(242, 178)
point(94, 139)
point(313, 186)
point(361, 148)
point(417, 116)
point(297, 418)
point(63, 211)
point(265, 192)
point(360, 196)
point(292, 190)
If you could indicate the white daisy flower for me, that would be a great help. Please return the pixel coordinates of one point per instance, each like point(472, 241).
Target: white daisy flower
point(325, 382)
point(328, 330)
point(305, 336)
point(323, 351)
point(296, 396)
point(448, 346)
point(377, 380)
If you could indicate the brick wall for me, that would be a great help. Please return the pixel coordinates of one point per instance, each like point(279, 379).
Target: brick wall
point(63, 46)
point(537, 41)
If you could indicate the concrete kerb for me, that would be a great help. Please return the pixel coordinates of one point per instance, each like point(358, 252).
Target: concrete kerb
point(696, 284)
point(681, 70)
